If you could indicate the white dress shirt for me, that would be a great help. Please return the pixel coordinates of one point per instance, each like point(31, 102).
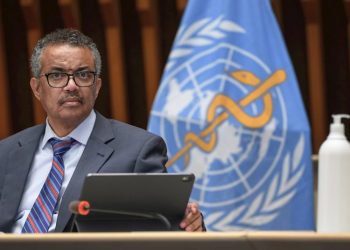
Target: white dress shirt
point(41, 167)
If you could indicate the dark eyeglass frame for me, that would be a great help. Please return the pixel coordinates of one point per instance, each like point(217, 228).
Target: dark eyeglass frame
point(47, 75)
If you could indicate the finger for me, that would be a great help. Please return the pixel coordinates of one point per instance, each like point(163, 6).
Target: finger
point(193, 223)
point(189, 219)
point(194, 227)
point(193, 207)
point(194, 210)
point(199, 228)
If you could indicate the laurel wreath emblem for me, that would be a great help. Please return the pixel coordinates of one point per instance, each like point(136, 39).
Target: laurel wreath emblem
point(201, 33)
point(265, 206)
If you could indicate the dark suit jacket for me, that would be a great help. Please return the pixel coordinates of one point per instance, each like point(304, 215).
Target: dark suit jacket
point(113, 147)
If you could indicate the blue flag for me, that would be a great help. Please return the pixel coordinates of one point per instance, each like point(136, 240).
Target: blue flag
point(230, 111)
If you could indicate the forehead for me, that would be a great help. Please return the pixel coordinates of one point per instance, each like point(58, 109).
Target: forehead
point(66, 57)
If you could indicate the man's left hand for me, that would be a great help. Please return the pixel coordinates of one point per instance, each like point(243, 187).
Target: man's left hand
point(193, 220)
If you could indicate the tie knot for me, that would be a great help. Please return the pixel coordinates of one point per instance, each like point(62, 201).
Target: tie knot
point(60, 147)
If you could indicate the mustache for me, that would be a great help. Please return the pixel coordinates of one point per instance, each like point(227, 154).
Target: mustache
point(70, 97)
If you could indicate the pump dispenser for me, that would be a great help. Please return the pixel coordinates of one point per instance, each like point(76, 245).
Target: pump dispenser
point(333, 203)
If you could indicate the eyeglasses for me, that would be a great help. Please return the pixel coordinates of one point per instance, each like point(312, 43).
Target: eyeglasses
point(61, 79)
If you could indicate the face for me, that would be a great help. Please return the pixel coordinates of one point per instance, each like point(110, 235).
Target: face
point(66, 107)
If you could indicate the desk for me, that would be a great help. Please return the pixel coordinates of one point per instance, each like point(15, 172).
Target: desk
point(178, 241)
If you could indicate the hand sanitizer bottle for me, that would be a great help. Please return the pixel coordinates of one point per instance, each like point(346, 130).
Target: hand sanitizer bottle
point(333, 203)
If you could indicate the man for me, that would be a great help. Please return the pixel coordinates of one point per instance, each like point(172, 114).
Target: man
point(43, 167)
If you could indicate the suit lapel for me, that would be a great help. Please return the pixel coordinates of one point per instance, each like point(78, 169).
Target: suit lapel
point(17, 169)
point(94, 156)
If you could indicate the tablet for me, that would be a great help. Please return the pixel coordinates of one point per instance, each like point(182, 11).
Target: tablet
point(134, 202)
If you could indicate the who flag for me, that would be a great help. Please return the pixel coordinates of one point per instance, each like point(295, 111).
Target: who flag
point(230, 111)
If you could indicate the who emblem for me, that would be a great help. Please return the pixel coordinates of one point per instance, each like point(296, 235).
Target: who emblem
point(228, 126)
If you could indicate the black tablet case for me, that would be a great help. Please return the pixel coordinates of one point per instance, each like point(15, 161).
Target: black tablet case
point(128, 199)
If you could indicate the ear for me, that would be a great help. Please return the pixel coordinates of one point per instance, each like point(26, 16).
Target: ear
point(35, 85)
point(98, 87)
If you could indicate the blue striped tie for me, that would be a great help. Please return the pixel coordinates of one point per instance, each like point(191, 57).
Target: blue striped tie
point(40, 216)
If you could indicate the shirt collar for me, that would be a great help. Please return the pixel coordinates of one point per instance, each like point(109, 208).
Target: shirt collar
point(81, 133)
